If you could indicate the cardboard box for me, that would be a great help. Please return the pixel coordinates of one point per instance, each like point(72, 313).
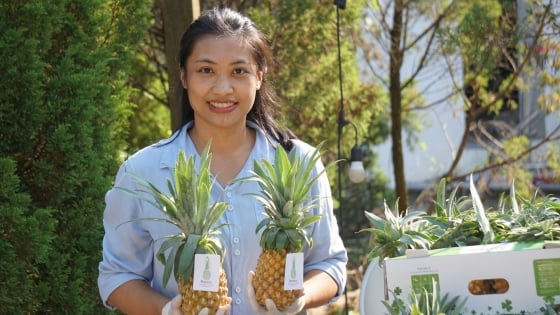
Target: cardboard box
point(508, 278)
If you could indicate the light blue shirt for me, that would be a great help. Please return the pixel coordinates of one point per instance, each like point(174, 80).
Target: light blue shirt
point(129, 248)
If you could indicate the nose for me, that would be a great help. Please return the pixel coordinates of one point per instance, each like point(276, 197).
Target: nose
point(222, 84)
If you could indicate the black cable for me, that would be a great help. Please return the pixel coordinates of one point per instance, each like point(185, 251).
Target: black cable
point(340, 4)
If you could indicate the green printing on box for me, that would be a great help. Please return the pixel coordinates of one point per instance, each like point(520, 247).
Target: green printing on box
point(425, 281)
point(547, 276)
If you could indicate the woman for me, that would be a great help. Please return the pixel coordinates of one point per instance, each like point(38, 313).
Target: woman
point(227, 101)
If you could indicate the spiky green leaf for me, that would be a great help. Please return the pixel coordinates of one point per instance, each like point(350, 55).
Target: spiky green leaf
point(481, 214)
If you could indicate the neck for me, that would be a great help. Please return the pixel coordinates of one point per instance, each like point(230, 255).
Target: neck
point(230, 149)
point(223, 141)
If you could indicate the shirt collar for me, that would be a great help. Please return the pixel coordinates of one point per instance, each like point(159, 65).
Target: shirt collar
point(178, 141)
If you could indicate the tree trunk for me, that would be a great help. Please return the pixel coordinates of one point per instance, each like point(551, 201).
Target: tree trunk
point(177, 16)
point(396, 60)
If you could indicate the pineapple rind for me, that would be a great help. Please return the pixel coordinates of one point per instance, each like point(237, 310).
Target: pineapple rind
point(193, 301)
point(268, 281)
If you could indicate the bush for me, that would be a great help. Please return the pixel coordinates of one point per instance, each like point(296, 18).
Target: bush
point(62, 101)
point(26, 241)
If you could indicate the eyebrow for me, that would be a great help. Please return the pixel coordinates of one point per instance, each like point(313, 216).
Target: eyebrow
point(238, 62)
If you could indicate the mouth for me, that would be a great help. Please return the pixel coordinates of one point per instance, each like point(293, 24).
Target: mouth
point(221, 105)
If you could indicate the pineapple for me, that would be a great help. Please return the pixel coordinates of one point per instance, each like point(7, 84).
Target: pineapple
point(188, 207)
point(285, 187)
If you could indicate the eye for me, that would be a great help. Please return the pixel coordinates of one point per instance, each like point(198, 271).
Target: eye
point(205, 70)
point(239, 71)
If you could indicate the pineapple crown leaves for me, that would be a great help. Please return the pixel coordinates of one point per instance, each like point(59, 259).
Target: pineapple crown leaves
point(547, 230)
point(425, 302)
point(534, 220)
point(454, 222)
point(464, 221)
point(284, 192)
point(533, 210)
point(187, 206)
point(514, 204)
point(394, 234)
point(481, 214)
point(449, 207)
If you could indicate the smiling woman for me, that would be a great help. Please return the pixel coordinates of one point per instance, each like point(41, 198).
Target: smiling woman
point(222, 80)
point(227, 104)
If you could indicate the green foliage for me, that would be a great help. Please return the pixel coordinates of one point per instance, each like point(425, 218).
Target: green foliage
point(149, 119)
point(394, 233)
point(26, 239)
point(425, 302)
point(64, 64)
point(464, 221)
point(303, 36)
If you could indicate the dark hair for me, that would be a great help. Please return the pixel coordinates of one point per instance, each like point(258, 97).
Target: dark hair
point(226, 22)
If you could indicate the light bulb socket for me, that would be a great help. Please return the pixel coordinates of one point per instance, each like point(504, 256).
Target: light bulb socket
point(356, 154)
point(341, 4)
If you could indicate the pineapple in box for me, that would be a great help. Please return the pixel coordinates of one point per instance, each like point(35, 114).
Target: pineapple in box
point(285, 187)
point(189, 208)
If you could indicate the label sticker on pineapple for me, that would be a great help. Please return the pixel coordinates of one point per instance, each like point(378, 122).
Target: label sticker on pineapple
point(206, 276)
point(293, 273)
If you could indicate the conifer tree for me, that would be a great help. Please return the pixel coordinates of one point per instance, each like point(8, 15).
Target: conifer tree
point(62, 104)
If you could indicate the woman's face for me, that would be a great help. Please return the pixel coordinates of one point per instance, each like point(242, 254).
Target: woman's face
point(221, 78)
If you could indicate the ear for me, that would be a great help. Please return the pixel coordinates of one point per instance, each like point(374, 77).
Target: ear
point(183, 78)
point(260, 78)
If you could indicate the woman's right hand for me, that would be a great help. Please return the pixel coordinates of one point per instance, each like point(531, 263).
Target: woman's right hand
point(270, 308)
point(173, 307)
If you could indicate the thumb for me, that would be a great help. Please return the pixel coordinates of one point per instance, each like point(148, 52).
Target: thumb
point(203, 311)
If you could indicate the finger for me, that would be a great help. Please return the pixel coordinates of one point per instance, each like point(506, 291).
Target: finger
point(271, 307)
point(204, 311)
point(250, 288)
point(223, 310)
point(176, 302)
point(296, 306)
point(173, 306)
point(251, 295)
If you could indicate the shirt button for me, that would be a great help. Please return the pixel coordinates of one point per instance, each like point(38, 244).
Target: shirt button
point(237, 252)
point(230, 207)
point(228, 194)
point(237, 301)
point(237, 289)
point(236, 240)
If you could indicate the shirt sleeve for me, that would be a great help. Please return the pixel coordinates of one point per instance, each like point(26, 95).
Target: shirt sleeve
point(328, 252)
point(127, 245)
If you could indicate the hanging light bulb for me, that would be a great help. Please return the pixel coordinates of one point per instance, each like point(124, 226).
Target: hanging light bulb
point(356, 173)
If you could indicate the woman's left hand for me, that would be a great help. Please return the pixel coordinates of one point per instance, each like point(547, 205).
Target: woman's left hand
point(222, 310)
